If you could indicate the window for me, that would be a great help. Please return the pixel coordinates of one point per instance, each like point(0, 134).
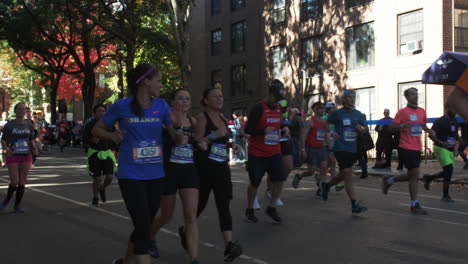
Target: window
point(311, 56)
point(311, 9)
point(277, 61)
point(237, 4)
point(278, 11)
point(217, 79)
point(238, 37)
point(238, 83)
point(421, 94)
point(216, 38)
point(353, 3)
point(410, 32)
point(461, 29)
point(360, 49)
point(365, 102)
point(215, 7)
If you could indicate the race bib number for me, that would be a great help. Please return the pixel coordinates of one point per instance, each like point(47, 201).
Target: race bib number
point(21, 147)
point(273, 138)
point(182, 154)
point(413, 117)
point(416, 130)
point(218, 152)
point(349, 134)
point(346, 122)
point(451, 141)
point(320, 134)
point(147, 152)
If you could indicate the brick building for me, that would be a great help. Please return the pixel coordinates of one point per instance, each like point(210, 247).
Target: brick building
point(320, 47)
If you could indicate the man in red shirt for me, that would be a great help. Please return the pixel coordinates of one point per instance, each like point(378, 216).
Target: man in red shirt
point(264, 152)
point(63, 127)
point(411, 121)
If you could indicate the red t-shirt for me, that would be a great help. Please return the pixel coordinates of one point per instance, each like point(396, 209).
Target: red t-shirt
point(316, 136)
point(410, 138)
point(267, 145)
point(63, 127)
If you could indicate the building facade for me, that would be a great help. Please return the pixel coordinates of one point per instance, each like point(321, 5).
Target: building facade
point(318, 48)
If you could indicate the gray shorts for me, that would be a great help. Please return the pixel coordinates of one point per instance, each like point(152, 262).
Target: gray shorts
point(315, 156)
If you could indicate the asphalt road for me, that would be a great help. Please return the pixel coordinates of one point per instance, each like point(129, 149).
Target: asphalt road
point(60, 226)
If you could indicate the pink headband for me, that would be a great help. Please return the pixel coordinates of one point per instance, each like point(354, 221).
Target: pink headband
point(150, 70)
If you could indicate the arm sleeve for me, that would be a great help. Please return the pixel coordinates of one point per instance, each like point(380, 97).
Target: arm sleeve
point(254, 116)
point(112, 115)
point(398, 118)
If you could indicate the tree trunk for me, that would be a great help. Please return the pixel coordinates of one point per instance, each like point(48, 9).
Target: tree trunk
point(87, 90)
point(54, 83)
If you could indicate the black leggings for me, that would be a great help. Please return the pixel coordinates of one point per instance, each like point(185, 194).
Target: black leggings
point(142, 198)
point(216, 176)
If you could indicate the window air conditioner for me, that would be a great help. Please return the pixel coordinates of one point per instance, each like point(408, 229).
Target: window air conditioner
point(411, 47)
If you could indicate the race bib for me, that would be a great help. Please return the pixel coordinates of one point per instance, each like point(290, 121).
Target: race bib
point(21, 147)
point(218, 152)
point(451, 141)
point(349, 134)
point(346, 122)
point(273, 138)
point(147, 152)
point(320, 134)
point(182, 154)
point(416, 130)
point(413, 117)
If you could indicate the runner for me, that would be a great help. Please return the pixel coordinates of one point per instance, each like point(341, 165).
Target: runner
point(348, 122)
point(411, 121)
point(63, 128)
point(212, 162)
point(140, 171)
point(446, 141)
point(101, 159)
point(181, 175)
point(331, 162)
point(264, 152)
point(18, 145)
point(313, 146)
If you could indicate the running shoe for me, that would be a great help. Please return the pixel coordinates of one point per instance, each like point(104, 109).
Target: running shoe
point(232, 251)
point(385, 184)
point(324, 188)
point(102, 194)
point(447, 199)
point(183, 238)
point(95, 202)
point(296, 180)
point(118, 261)
point(357, 208)
point(256, 204)
point(153, 250)
point(18, 209)
point(250, 215)
point(273, 213)
point(339, 187)
point(427, 182)
point(417, 209)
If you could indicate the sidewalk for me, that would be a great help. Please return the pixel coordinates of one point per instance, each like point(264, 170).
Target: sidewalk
point(460, 175)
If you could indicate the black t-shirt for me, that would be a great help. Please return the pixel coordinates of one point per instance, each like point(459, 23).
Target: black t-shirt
point(446, 130)
point(18, 136)
point(102, 144)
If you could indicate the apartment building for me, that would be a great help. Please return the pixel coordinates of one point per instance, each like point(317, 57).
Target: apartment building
point(320, 47)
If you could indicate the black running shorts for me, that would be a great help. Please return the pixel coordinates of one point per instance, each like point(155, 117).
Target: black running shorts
point(99, 167)
point(179, 176)
point(257, 166)
point(411, 158)
point(345, 160)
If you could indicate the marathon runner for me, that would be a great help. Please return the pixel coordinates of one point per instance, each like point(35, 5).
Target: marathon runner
point(63, 128)
point(331, 162)
point(140, 171)
point(212, 162)
point(18, 146)
point(348, 123)
point(264, 153)
point(446, 141)
point(101, 159)
point(411, 121)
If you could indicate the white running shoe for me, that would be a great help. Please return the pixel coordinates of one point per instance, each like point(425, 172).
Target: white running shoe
point(256, 204)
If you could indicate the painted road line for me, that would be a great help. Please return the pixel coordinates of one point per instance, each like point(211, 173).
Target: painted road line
point(49, 184)
point(167, 231)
